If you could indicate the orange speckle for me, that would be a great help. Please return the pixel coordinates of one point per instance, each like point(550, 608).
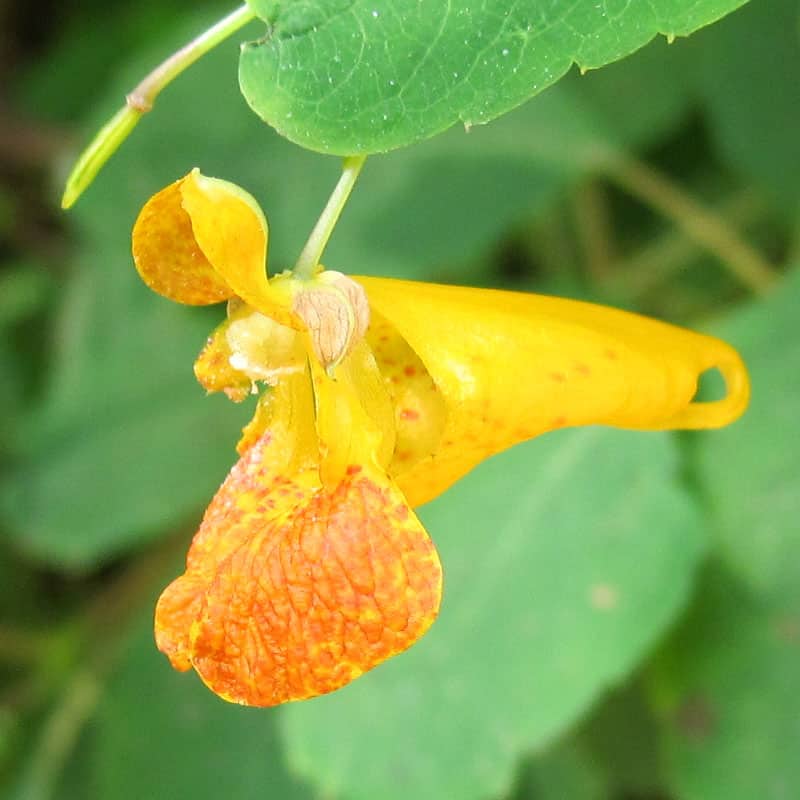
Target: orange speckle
point(583, 369)
point(610, 354)
point(558, 377)
point(409, 371)
point(409, 414)
point(558, 422)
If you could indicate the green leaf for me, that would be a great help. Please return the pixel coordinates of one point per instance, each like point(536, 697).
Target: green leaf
point(366, 76)
point(622, 735)
point(158, 733)
point(563, 772)
point(564, 559)
point(728, 684)
point(124, 443)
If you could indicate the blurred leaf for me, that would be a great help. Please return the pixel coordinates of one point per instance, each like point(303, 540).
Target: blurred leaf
point(564, 772)
point(365, 76)
point(748, 471)
point(23, 289)
point(747, 70)
point(159, 733)
point(728, 689)
point(564, 559)
point(728, 684)
point(623, 736)
point(124, 442)
point(64, 86)
point(9, 212)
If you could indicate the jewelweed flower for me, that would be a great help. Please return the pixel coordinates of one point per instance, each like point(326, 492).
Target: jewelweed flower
point(310, 566)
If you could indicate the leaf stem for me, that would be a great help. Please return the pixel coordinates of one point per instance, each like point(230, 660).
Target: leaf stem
point(658, 262)
point(592, 217)
point(59, 734)
point(308, 263)
point(141, 100)
point(698, 222)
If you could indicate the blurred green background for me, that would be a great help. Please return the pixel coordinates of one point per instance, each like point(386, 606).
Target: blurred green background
point(622, 611)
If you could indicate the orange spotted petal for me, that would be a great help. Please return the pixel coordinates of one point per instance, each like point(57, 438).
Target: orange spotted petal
point(510, 366)
point(167, 256)
point(292, 589)
point(202, 240)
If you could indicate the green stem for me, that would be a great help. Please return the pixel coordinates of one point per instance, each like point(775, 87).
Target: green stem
point(106, 627)
point(592, 217)
point(698, 222)
point(308, 263)
point(59, 735)
point(141, 100)
point(658, 262)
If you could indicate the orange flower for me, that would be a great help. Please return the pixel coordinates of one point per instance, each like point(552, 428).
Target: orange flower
point(310, 566)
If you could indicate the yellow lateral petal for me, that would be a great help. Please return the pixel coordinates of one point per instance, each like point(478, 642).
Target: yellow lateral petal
point(168, 258)
point(511, 366)
point(232, 232)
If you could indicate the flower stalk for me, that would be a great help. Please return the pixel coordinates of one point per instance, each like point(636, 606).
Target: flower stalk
point(141, 100)
point(308, 263)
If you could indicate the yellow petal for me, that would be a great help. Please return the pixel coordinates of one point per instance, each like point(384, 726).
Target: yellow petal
point(287, 412)
point(167, 256)
point(213, 368)
point(293, 590)
point(203, 240)
point(419, 408)
point(355, 417)
point(511, 366)
point(231, 231)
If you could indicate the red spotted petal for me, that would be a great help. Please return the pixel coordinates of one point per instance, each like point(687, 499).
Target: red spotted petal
point(292, 590)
